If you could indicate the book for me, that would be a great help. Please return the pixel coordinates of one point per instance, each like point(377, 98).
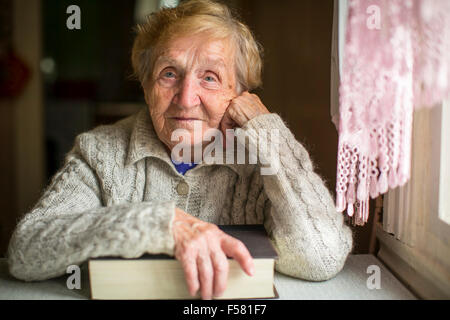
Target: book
point(160, 276)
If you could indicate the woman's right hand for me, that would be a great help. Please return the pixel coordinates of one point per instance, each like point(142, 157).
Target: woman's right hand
point(202, 248)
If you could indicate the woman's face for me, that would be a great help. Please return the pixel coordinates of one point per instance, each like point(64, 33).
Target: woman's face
point(192, 84)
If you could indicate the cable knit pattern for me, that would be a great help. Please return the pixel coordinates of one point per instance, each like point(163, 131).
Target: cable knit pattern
point(116, 195)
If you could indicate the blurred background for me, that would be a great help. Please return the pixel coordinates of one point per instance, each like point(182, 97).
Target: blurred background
point(56, 83)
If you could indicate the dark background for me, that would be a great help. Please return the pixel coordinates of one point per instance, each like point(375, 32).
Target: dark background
point(83, 78)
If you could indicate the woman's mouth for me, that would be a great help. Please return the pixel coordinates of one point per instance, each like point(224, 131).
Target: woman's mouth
point(185, 119)
point(186, 122)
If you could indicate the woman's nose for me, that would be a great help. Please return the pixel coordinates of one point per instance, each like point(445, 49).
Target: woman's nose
point(187, 95)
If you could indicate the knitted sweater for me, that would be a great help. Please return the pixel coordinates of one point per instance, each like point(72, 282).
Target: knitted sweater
point(117, 191)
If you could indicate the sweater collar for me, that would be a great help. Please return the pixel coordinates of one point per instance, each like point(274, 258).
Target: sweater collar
point(144, 142)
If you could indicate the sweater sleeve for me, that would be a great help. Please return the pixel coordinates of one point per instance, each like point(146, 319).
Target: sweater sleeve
point(69, 225)
point(310, 236)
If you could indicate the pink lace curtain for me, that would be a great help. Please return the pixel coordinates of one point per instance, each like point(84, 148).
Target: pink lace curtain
point(396, 58)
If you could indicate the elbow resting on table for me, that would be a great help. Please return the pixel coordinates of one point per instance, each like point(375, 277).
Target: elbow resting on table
point(313, 264)
point(25, 266)
point(311, 269)
point(17, 262)
point(18, 270)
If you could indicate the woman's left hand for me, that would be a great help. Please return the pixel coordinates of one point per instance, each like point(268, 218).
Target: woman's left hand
point(242, 109)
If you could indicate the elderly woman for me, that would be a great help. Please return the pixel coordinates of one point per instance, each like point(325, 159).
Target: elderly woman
point(121, 193)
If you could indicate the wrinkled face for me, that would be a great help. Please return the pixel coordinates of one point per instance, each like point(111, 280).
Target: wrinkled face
point(192, 84)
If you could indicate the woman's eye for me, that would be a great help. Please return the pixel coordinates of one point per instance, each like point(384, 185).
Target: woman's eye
point(210, 79)
point(169, 74)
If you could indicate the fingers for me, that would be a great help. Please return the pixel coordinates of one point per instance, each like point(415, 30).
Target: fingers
point(203, 255)
point(191, 275)
point(238, 251)
point(209, 273)
point(205, 275)
point(236, 112)
point(221, 267)
point(227, 121)
point(244, 108)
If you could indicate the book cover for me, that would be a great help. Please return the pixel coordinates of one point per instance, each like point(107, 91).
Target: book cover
point(161, 276)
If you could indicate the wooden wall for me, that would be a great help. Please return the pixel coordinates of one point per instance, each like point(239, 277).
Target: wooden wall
point(296, 36)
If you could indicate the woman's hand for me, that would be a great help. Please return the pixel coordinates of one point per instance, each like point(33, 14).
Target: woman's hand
point(202, 248)
point(242, 109)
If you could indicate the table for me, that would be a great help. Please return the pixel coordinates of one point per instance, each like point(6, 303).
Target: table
point(350, 283)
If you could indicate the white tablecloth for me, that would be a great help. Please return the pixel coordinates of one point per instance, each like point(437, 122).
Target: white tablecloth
point(350, 283)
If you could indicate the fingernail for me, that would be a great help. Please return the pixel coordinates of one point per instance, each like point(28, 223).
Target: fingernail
point(252, 271)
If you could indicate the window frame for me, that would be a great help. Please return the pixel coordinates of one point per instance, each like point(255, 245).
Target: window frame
point(414, 240)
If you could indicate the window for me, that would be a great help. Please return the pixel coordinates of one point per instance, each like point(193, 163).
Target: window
point(444, 182)
point(415, 236)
